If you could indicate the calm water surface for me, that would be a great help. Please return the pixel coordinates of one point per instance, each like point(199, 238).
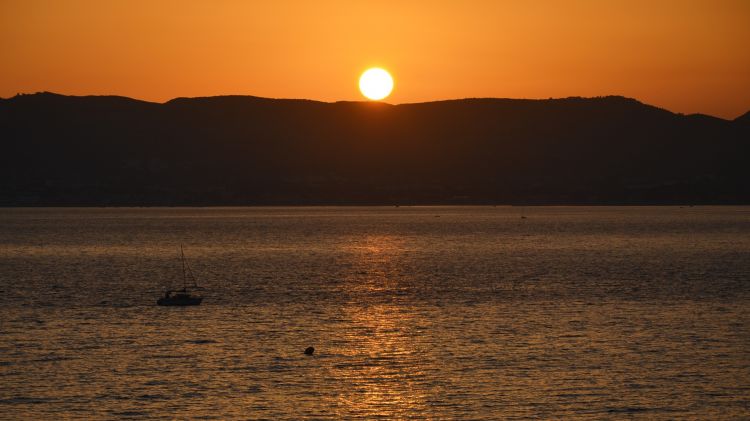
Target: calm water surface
point(425, 312)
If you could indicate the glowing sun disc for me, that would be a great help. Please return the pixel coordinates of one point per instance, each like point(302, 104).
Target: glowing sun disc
point(375, 84)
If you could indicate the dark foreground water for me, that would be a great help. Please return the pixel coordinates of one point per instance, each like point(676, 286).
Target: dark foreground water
point(426, 313)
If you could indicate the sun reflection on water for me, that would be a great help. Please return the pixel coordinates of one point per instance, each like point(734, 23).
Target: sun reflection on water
point(383, 364)
point(376, 263)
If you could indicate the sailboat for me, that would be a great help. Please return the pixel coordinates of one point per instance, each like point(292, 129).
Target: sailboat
point(182, 297)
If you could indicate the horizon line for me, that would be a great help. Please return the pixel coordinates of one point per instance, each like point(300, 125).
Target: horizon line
point(20, 94)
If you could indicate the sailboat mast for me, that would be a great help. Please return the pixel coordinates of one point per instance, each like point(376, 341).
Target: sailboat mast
point(184, 276)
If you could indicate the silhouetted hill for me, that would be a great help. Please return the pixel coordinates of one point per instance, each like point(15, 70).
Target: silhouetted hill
point(106, 150)
point(743, 119)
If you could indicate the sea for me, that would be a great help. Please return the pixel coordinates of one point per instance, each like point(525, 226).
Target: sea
point(507, 312)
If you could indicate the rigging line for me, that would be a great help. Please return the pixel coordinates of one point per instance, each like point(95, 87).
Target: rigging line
point(184, 276)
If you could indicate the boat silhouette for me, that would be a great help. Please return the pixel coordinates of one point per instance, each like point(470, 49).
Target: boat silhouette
point(185, 295)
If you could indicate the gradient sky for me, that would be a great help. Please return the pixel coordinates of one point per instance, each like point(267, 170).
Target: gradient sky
point(686, 56)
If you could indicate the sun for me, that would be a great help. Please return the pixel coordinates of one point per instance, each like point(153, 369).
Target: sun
point(375, 83)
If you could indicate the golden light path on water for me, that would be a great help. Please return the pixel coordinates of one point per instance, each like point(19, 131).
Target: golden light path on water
point(385, 335)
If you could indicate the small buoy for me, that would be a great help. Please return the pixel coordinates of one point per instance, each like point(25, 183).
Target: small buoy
point(309, 350)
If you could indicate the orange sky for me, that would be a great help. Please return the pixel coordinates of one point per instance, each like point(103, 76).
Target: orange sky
point(687, 56)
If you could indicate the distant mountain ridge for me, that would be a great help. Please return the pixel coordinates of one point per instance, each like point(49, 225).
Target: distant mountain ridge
point(744, 118)
point(243, 150)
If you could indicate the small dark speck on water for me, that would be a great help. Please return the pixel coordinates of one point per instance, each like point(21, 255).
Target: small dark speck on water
point(309, 350)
